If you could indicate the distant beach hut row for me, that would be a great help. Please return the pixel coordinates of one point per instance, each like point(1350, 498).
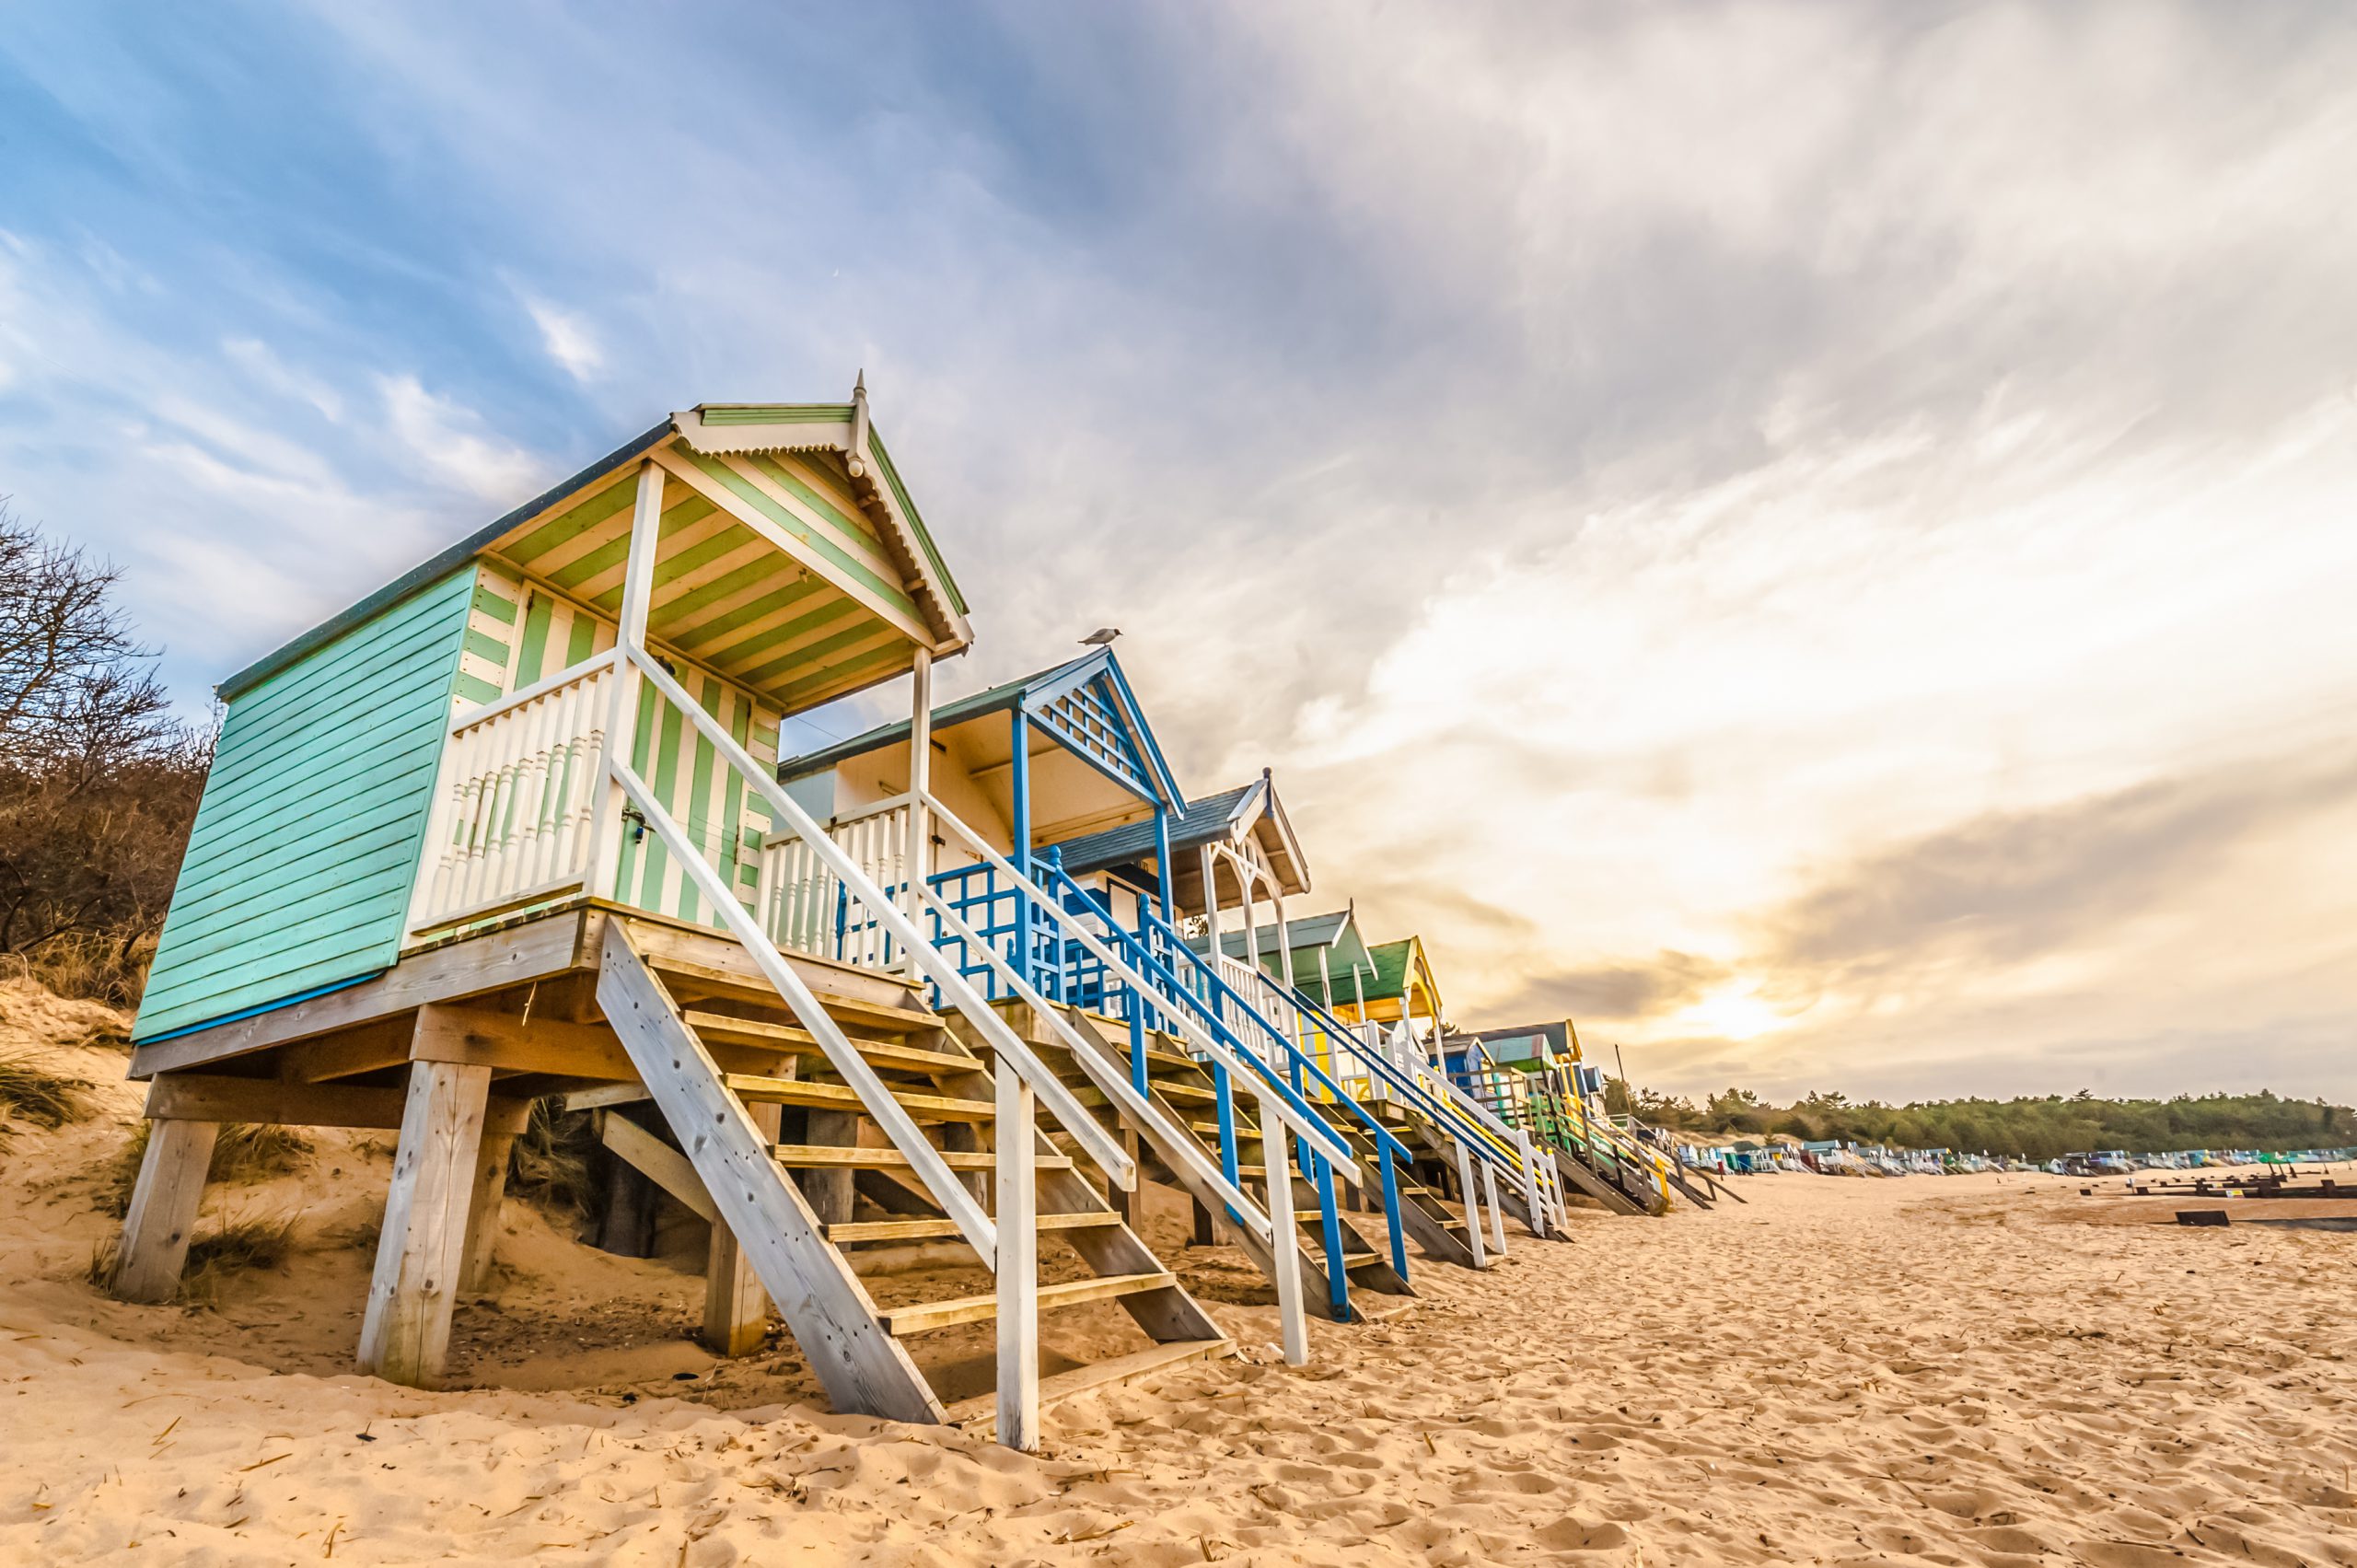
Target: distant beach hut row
point(512, 834)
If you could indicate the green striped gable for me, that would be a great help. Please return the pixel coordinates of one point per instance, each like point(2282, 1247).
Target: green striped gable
point(307, 841)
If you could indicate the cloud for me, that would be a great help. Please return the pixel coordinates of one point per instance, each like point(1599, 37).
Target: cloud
point(455, 446)
point(568, 340)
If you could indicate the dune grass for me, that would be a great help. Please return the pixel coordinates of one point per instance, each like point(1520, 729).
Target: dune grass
point(550, 1162)
point(235, 1245)
point(245, 1152)
point(42, 1096)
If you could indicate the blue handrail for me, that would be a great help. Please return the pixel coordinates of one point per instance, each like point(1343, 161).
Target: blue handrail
point(1388, 1071)
point(1174, 989)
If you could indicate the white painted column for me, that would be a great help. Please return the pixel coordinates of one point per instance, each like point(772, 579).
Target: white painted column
point(1018, 1261)
point(1211, 897)
point(622, 715)
point(1277, 1160)
point(1473, 1207)
point(919, 856)
point(1497, 1209)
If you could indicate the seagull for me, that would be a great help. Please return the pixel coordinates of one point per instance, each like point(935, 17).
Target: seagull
point(1101, 638)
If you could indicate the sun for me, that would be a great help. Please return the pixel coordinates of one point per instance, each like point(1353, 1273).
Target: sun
point(1734, 1013)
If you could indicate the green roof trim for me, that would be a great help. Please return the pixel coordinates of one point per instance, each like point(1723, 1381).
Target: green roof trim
point(916, 520)
point(775, 413)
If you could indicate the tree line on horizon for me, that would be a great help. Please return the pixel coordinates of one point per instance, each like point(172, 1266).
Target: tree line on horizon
point(2034, 1128)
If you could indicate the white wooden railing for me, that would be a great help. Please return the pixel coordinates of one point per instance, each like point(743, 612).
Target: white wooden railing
point(522, 780)
point(801, 902)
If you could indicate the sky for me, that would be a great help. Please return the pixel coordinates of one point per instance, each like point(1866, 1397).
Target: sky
point(1816, 540)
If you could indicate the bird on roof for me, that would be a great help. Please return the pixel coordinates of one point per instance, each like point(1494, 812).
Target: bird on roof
point(1101, 638)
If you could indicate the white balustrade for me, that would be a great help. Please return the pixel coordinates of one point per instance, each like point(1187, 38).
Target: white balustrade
point(521, 781)
point(801, 903)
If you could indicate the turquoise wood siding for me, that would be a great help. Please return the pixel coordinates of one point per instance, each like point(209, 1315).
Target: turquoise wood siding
point(299, 873)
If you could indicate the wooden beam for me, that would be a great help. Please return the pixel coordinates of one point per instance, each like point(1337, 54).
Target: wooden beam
point(163, 1210)
point(405, 1335)
point(863, 1369)
point(196, 1097)
point(470, 968)
point(476, 1037)
point(735, 1308)
point(659, 1162)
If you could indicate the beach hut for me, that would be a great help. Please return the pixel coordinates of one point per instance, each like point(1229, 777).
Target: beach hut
point(509, 828)
point(1064, 763)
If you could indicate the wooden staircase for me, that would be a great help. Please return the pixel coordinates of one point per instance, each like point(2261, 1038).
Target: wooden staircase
point(1186, 1091)
point(784, 1153)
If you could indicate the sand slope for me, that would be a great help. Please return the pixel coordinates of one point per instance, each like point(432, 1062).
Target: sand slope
point(1940, 1371)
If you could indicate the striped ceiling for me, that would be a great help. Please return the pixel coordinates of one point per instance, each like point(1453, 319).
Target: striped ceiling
point(727, 598)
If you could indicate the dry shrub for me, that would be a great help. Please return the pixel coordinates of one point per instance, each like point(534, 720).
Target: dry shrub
point(237, 1245)
point(550, 1162)
point(42, 1096)
point(245, 1152)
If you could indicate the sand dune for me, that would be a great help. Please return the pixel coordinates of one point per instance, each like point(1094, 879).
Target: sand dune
point(1938, 1371)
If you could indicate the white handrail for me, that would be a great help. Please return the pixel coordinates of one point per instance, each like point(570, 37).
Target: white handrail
point(955, 1200)
point(1102, 1150)
point(1319, 1135)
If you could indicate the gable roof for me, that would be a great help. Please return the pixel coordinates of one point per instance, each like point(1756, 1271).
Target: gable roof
point(1225, 817)
point(1310, 931)
point(724, 459)
point(1085, 704)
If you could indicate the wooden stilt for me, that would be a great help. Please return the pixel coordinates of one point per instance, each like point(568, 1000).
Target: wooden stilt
point(736, 1306)
point(1127, 1202)
point(163, 1209)
point(828, 1193)
point(1204, 1236)
point(406, 1332)
point(1017, 1270)
point(483, 1210)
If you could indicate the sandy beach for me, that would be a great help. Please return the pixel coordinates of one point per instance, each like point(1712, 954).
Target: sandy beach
point(1973, 1370)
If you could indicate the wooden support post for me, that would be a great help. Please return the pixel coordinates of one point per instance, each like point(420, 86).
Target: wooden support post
point(1018, 1261)
point(483, 1209)
point(1473, 1207)
point(1129, 1201)
point(163, 1210)
point(736, 1306)
point(1278, 1159)
point(1205, 1234)
point(828, 1193)
point(406, 1332)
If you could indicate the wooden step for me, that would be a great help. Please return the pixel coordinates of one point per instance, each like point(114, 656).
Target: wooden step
point(829, 1156)
point(898, 1321)
point(978, 1415)
point(891, 1055)
point(1154, 1059)
point(937, 1229)
point(877, 1015)
point(843, 1096)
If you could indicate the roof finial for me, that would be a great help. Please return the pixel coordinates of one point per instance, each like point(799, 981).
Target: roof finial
point(855, 461)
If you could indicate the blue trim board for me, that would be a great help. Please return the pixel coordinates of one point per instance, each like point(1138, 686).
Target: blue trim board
point(255, 1012)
